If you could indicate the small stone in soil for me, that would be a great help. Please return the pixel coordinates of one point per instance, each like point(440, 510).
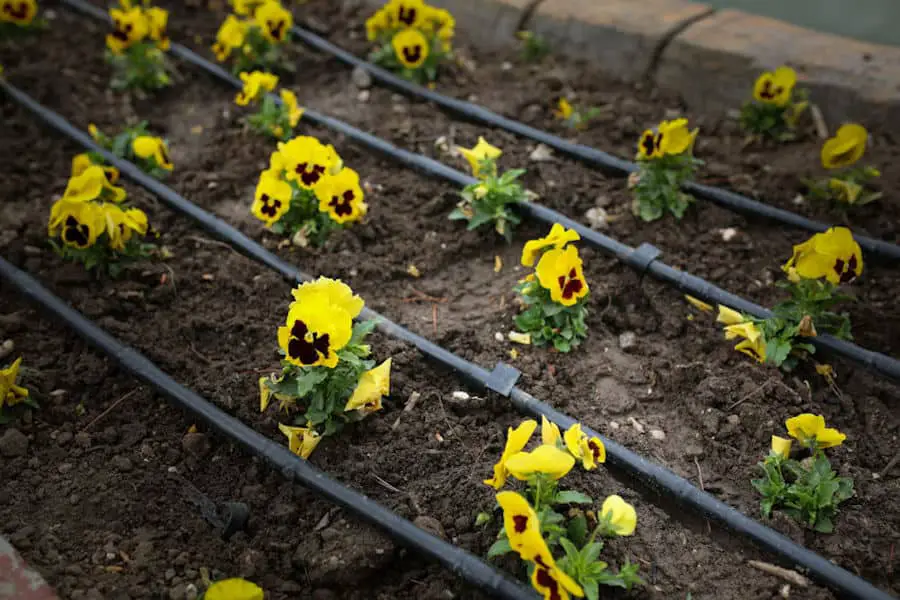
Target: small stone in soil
point(64, 438)
point(627, 340)
point(83, 439)
point(13, 443)
point(122, 463)
point(196, 445)
point(7, 347)
point(658, 434)
point(431, 525)
point(460, 395)
point(361, 78)
point(541, 154)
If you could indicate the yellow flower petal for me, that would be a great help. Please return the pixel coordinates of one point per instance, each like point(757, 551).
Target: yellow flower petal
point(729, 316)
point(516, 439)
point(476, 155)
point(834, 255)
point(846, 147)
point(558, 237)
point(550, 435)
point(548, 460)
point(781, 446)
point(621, 516)
point(334, 291)
point(234, 589)
point(373, 385)
point(560, 272)
point(810, 430)
point(700, 304)
point(301, 440)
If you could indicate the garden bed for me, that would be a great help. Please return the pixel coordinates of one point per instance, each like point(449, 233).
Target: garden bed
point(214, 329)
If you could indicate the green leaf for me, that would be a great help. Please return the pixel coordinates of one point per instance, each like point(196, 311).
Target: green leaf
point(577, 529)
point(499, 548)
point(572, 497)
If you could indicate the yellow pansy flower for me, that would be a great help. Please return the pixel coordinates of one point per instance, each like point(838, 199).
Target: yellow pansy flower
point(834, 255)
point(82, 162)
point(342, 197)
point(620, 515)
point(157, 19)
point(377, 24)
point(775, 87)
point(373, 385)
point(560, 272)
point(746, 330)
point(846, 147)
point(149, 147)
point(547, 460)
point(18, 12)
point(674, 137)
point(230, 36)
point(554, 583)
point(550, 435)
point(234, 589)
point(755, 348)
point(442, 23)
point(523, 529)
point(129, 27)
point(411, 48)
point(306, 160)
point(79, 223)
point(86, 186)
point(406, 13)
point(301, 440)
point(332, 292)
point(271, 200)
point(11, 393)
point(648, 147)
point(480, 152)
point(516, 439)
point(729, 316)
point(564, 110)
point(781, 446)
point(274, 20)
point(810, 430)
point(245, 8)
point(314, 332)
point(558, 237)
point(590, 451)
point(845, 191)
point(121, 225)
point(293, 110)
point(256, 84)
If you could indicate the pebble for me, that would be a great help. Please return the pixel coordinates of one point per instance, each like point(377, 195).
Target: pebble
point(196, 445)
point(498, 336)
point(734, 419)
point(460, 395)
point(177, 592)
point(6, 348)
point(541, 154)
point(64, 438)
point(191, 592)
point(13, 443)
point(658, 434)
point(65, 468)
point(627, 340)
point(597, 218)
point(614, 425)
point(431, 525)
point(363, 96)
point(636, 424)
point(693, 450)
point(122, 463)
point(361, 78)
point(83, 439)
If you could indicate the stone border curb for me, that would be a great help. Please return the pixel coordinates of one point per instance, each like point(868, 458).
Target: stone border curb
point(17, 580)
point(710, 57)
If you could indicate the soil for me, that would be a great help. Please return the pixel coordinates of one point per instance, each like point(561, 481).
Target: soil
point(100, 502)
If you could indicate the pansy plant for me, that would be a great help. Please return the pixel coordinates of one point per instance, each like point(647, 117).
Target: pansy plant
point(307, 192)
point(555, 295)
point(491, 199)
point(328, 377)
point(276, 117)
point(544, 518)
point(412, 38)
point(814, 273)
point(136, 145)
point(92, 224)
point(776, 105)
point(254, 38)
point(13, 395)
point(847, 183)
point(137, 45)
point(17, 16)
point(574, 117)
point(805, 487)
point(666, 161)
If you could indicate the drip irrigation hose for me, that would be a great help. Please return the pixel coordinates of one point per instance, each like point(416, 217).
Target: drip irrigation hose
point(591, 156)
point(656, 477)
point(643, 259)
point(464, 564)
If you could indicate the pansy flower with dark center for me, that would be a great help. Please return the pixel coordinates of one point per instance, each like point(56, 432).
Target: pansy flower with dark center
point(560, 272)
point(846, 147)
point(230, 37)
point(342, 197)
point(590, 451)
point(79, 224)
point(82, 162)
point(775, 87)
point(554, 584)
point(256, 85)
point(307, 161)
point(121, 225)
point(152, 148)
point(130, 27)
point(274, 20)
point(18, 12)
point(407, 13)
point(558, 237)
point(833, 255)
point(314, 332)
point(157, 19)
point(272, 199)
point(411, 48)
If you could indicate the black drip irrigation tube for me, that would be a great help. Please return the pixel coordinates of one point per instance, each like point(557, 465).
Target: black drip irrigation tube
point(502, 380)
point(466, 565)
point(643, 259)
point(590, 156)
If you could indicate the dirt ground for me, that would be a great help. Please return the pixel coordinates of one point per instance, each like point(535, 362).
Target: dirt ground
point(99, 501)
